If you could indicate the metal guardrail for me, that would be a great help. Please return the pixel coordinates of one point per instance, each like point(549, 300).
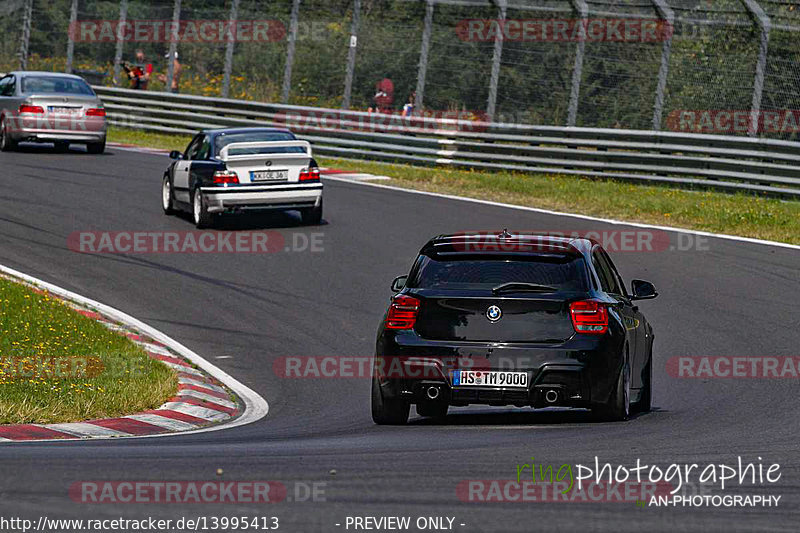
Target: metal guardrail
point(747, 164)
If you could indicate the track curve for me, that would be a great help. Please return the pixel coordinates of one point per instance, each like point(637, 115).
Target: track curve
point(244, 311)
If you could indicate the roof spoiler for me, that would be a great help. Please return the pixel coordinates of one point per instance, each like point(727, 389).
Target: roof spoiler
point(492, 245)
point(225, 154)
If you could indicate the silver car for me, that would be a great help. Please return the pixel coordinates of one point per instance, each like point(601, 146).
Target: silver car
point(50, 107)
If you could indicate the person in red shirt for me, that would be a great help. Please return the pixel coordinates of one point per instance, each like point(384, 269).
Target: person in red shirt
point(139, 74)
point(384, 95)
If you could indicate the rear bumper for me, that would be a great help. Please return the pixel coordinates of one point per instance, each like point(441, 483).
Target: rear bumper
point(578, 373)
point(48, 136)
point(290, 196)
point(50, 129)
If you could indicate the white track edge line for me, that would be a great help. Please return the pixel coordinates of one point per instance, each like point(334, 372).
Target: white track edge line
point(255, 407)
point(750, 240)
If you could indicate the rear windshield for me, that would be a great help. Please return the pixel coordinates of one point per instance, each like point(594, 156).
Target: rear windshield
point(564, 272)
point(257, 136)
point(55, 84)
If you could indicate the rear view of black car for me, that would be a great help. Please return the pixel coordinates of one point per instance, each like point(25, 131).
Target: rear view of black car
point(510, 319)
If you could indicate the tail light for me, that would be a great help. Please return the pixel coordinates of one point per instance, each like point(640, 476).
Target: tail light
point(25, 108)
point(95, 112)
point(309, 174)
point(589, 316)
point(402, 312)
point(223, 177)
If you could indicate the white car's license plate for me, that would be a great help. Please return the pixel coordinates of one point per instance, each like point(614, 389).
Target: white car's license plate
point(63, 110)
point(481, 378)
point(269, 175)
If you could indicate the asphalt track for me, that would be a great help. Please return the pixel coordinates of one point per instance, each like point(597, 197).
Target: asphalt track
point(244, 311)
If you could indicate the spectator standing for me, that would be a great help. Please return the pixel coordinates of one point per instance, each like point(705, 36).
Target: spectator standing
point(176, 74)
point(139, 73)
point(408, 108)
point(384, 95)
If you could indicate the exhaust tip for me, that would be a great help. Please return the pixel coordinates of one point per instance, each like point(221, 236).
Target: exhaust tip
point(551, 396)
point(432, 393)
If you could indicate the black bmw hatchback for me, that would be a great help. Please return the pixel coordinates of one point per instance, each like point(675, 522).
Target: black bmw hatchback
point(513, 319)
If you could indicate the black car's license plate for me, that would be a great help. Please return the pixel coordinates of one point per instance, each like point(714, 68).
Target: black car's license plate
point(482, 378)
point(269, 175)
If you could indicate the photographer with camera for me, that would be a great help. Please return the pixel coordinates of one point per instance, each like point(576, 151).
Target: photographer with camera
point(139, 72)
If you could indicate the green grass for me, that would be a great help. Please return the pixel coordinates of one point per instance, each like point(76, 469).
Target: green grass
point(57, 365)
point(735, 214)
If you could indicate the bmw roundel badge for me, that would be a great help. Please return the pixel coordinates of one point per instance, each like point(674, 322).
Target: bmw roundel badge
point(494, 313)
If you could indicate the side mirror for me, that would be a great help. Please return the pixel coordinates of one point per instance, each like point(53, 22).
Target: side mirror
point(399, 283)
point(175, 155)
point(643, 290)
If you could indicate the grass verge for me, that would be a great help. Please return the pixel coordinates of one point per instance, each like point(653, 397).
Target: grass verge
point(57, 365)
point(735, 214)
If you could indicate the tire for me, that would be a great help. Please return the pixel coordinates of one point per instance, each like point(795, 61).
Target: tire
point(435, 410)
point(618, 407)
point(645, 403)
point(166, 196)
point(96, 148)
point(61, 146)
point(388, 412)
point(6, 143)
point(202, 218)
point(313, 215)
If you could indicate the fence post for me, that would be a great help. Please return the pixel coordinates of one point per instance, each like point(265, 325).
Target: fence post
point(290, 46)
point(173, 43)
point(27, 14)
point(73, 18)
point(422, 72)
point(226, 79)
point(582, 10)
point(123, 17)
point(351, 55)
point(497, 54)
point(668, 16)
point(764, 24)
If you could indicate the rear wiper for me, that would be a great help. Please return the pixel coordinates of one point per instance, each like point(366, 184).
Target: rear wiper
point(520, 286)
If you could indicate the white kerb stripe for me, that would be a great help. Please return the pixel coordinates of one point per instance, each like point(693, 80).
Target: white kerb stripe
point(154, 348)
point(203, 396)
point(163, 422)
point(116, 327)
point(181, 368)
point(83, 429)
point(198, 383)
point(195, 410)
